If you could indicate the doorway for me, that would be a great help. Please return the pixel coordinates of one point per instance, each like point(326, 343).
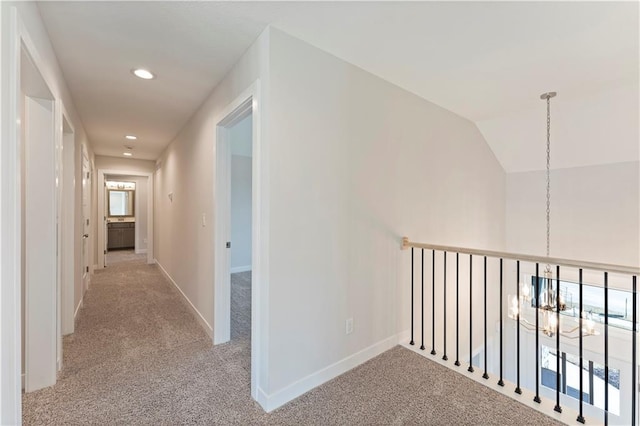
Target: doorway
point(126, 218)
point(86, 214)
point(40, 231)
point(126, 209)
point(67, 224)
point(236, 234)
point(240, 141)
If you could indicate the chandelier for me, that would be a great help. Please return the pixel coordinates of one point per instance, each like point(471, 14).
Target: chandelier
point(549, 302)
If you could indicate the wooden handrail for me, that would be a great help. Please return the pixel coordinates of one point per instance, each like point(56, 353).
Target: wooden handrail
point(623, 269)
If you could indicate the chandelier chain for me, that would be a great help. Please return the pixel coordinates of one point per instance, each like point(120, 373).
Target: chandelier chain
point(548, 177)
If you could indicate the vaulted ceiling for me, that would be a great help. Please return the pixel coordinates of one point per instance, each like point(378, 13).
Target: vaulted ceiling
point(486, 61)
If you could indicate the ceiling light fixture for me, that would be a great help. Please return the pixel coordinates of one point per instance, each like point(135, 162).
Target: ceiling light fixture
point(131, 137)
point(142, 73)
point(128, 154)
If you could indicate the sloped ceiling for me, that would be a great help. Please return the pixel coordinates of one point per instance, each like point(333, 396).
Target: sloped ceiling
point(490, 61)
point(486, 61)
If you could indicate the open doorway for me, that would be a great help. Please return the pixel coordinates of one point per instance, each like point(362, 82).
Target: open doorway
point(40, 212)
point(126, 218)
point(126, 230)
point(237, 237)
point(240, 141)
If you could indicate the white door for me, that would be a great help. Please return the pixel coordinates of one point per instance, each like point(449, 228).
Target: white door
point(86, 213)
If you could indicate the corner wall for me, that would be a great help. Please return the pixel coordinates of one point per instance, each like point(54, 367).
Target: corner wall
point(355, 164)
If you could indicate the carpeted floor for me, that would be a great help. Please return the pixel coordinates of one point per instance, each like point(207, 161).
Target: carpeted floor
point(127, 255)
point(139, 357)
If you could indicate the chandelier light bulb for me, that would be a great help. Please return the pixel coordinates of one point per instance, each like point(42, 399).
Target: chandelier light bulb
point(525, 291)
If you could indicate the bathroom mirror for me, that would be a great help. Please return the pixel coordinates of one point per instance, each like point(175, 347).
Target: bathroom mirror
point(121, 202)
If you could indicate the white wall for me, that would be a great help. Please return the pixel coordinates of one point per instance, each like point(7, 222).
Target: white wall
point(595, 213)
point(124, 165)
point(240, 138)
point(356, 163)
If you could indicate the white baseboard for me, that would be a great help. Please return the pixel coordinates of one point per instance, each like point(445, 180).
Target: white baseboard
point(141, 251)
point(240, 269)
point(203, 322)
point(294, 390)
point(75, 314)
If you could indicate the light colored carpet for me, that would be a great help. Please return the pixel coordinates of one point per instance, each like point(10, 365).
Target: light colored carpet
point(139, 357)
point(241, 306)
point(127, 255)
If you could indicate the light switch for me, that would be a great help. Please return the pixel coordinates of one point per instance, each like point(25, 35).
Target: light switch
point(204, 220)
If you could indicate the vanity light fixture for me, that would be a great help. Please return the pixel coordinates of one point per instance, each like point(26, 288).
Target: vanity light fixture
point(128, 154)
point(131, 137)
point(143, 74)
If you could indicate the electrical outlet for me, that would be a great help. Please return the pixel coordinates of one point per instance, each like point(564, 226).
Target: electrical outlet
point(349, 326)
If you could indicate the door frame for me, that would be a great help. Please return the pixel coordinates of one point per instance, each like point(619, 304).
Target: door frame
point(68, 224)
point(102, 219)
point(67, 234)
point(247, 101)
point(86, 188)
point(16, 41)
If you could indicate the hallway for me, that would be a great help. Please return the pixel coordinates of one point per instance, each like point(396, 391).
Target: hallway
point(139, 357)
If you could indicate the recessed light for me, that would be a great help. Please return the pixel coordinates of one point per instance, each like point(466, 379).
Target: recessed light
point(142, 73)
point(131, 137)
point(128, 154)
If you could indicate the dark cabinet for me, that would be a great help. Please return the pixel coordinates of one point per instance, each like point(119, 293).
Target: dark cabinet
point(121, 235)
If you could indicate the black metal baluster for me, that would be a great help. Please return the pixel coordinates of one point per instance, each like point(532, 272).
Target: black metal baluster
point(444, 288)
point(580, 416)
point(501, 382)
point(606, 348)
point(518, 390)
point(634, 360)
point(537, 287)
point(557, 408)
point(433, 302)
point(470, 369)
point(422, 318)
point(591, 382)
point(564, 372)
point(485, 375)
point(457, 363)
point(412, 342)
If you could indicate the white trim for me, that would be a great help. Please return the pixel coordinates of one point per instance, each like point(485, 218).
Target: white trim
point(68, 232)
point(141, 251)
point(196, 313)
point(237, 269)
point(75, 314)
point(101, 213)
point(10, 224)
point(249, 100)
point(294, 390)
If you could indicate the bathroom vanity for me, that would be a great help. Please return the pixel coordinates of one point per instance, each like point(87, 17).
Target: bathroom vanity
point(121, 235)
